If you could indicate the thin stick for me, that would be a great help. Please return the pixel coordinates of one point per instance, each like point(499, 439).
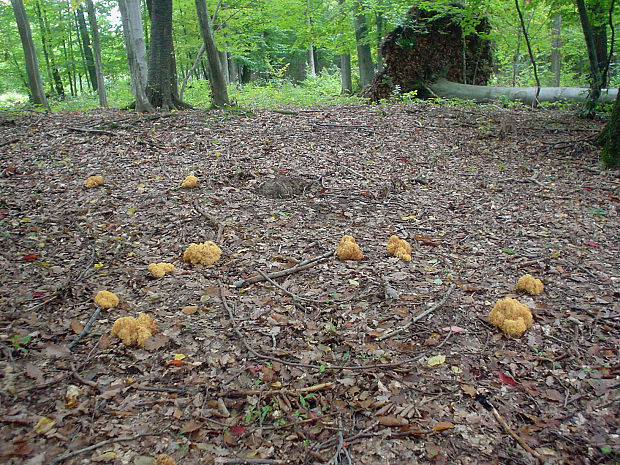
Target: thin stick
point(301, 266)
point(96, 446)
point(86, 328)
point(95, 131)
point(517, 438)
point(336, 457)
point(77, 376)
point(294, 296)
point(251, 392)
point(420, 316)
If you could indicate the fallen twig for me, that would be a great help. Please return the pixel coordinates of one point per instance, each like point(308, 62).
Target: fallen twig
point(86, 327)
point(251, 392)
point(420, 316)
point(487, 405)
point(301, 266)
point(77, 376)
point(68, 455)
point(95, 131)
point(530, 179)
point(294, 296)
point(212, 220)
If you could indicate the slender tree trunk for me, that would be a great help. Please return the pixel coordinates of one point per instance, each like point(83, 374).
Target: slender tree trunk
point(364, 56)
point(380, 20)
point(44, 46)
point(556, 50)
point(311, 63)
point(346, 85)
point(609, 139)
point(594, 65)
point(224, 64)
point(233, 69)
point(86, 45)
point(529, 50)
point(135, 47)
point(598, 23)
point(32, 64)
point(92, 19)
point(216, 74)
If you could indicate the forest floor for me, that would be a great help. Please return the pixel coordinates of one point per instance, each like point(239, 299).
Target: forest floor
point(333, 362)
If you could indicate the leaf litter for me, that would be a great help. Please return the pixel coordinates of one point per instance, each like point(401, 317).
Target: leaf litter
point(280, 352)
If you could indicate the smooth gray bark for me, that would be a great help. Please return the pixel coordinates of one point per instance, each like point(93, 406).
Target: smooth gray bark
point(217, 79)
point(94, 29)
point(135, 47)
point(346, 84)
point(556, 50)
point(448, 89)
point(32, 63)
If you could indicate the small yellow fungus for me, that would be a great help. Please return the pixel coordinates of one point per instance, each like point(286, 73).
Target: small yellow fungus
point(106, 299)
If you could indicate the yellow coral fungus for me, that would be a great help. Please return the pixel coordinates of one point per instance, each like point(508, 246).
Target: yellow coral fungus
point(400, 248)
point(348, 249)
point(190, 181)
point(134, 332)
point(530, 285)
point(106, 299)
point(160, 269)
point(511, 316)
point(206, 253)
point(94, 181)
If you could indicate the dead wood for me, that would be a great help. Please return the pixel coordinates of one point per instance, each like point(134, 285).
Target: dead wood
point(429, 44)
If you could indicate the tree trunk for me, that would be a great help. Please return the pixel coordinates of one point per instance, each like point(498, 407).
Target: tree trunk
point(135, 47)
point(594, 65)
point(92, 19)
point(556, 50)
point(364, 56)
point(598, 23)
point(346, 85)
point(311, 62)
point(233, 69)
point(448, 89)
point(380, 20)
point(52, 69)
point(224, 64)
point(88, 53)
point(217, 79)
point(32, 64)
point(609, 139)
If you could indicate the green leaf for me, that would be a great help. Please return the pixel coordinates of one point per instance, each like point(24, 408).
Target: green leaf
point(509, 251)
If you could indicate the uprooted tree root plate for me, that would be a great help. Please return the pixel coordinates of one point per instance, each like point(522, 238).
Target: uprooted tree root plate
point(335, 360)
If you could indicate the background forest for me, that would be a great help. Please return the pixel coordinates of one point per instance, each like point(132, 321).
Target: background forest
point(267, 45)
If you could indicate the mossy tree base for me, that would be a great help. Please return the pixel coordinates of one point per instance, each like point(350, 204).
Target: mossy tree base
point(609, 138)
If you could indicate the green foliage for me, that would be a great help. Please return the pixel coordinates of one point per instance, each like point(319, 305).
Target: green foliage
point(271, 39)
point(321, 90)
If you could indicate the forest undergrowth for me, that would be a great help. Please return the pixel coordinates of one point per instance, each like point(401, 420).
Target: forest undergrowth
point(281, 352)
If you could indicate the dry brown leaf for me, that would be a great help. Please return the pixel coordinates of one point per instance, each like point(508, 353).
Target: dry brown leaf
point(391, 420)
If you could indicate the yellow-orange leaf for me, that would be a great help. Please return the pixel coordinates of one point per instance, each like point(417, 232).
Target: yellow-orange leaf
point(443, 425)
point(44, 425)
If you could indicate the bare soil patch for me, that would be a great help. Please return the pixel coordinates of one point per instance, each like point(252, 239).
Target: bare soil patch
point(305, 371)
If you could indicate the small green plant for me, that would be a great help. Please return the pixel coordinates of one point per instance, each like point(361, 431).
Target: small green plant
point(18, 342)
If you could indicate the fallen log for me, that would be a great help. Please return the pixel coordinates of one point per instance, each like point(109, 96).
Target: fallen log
point(447, 89)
